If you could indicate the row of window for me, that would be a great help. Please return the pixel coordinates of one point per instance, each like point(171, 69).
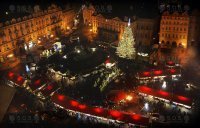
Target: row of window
point(174, 23)
point(5, 48)
point(173, 36)
point(174, 18)
point(144, 27)
point(174, 29)
point(142, 35)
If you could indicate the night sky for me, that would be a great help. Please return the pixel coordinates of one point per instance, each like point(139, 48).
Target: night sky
point(6, 3)
point(141, 8)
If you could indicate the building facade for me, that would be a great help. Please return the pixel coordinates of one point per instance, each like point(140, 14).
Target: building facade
point(111, 28)
point(174, 29)
point(194, 31)
point(25, 31)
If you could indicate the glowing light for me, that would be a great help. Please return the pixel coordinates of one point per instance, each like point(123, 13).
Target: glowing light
point(146, 106)
point(27, 68)
point(183, 98)
point(90, 30)
point(37, 82)
point(163, 93)
point(164, 85)
point(39, 41)
point(146, 73)
point(10, 55)
point(51, 35)
point(82, 106)
point(172, 70)
point(74, 103)
point(68, 27)
point(49, 87)
point(65, 56)
point(78, 51)
point(144, 88)
point(115, 113)
point(98, 110)
point(19, 78)
point(10, 74)
point(93, 49)
point(170, 63)
point(136, 117)
point(157, 72)
point(61, 97)
point(129, 98)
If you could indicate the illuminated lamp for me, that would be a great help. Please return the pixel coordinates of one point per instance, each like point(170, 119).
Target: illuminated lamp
point(82, 106)
point(115, 113)
point(157, 72)
point(19, 78)
point(172, 70)
point(74, 103)
point(136, 117)
point(37, 82)
point(61, 97)
point(170, 63)
point(144, 88)
point(49, 87)
point(146, 106)
point(10, 55)
point(129, 98)
point(163, 93)
point(182, 98)
point(10, 74)
point(98, 110)
point(107, 61)
point(164, 85)
point(146, 73)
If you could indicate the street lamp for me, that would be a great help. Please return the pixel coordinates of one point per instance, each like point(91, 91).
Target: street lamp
point(129, 98)
point(164, 85)
point(78, 51)
point(39, 41)
point(146, 106)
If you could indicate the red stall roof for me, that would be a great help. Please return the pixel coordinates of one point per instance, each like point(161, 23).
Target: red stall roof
point(165, 95)
point(170, 63)
point(19, 80)
point(159, 72)
point(36, 83)
point(50, 88)
point(74, 105)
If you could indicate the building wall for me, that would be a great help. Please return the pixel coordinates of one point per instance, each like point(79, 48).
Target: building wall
point(87, 14)
point(30, 28)
point(142, 28)
point(174, 29)
point(194, 31)
point(144, 31)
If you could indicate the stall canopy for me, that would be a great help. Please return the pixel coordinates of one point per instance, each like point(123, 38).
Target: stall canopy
point(49, 89)
point(74, 105)
point(165, 95)
point(159, 72)
point(36, 83)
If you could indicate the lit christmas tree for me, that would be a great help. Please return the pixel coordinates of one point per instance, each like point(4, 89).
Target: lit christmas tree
point(125, 47)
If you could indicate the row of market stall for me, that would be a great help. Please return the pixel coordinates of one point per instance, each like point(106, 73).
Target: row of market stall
point(44, 89)
point(165, 96)
point(158, 74)
point(38, 86)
